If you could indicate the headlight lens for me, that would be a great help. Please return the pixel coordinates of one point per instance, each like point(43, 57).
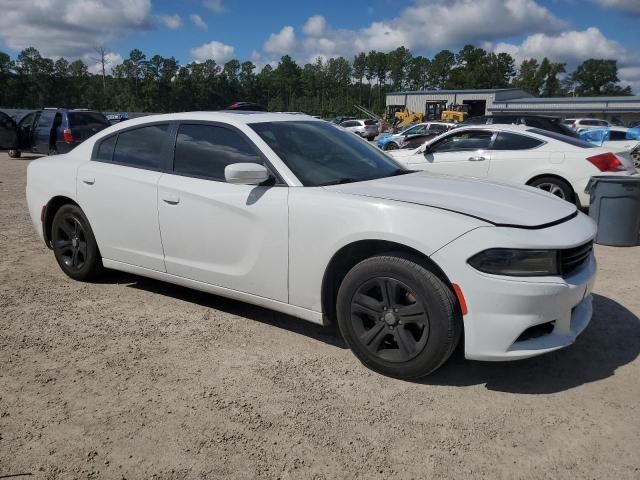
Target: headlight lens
point(517, 263)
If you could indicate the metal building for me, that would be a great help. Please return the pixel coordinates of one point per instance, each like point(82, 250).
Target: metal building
point(616, 109)
point(432, 102)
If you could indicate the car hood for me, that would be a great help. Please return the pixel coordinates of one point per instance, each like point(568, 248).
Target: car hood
point(497, 203)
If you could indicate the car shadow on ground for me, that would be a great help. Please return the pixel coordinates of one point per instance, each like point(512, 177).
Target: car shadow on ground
point(329, 334)
point(612, 340)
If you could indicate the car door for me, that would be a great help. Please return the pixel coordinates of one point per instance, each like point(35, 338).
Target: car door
point(517, 157)
point(25, 130)
point(463, 152)
point(42, 131)
point(228, 235)
point(118, 191)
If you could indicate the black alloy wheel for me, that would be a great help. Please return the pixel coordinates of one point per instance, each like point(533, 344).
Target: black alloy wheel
point(398, 317)
point(390, 321)
point(74, 244)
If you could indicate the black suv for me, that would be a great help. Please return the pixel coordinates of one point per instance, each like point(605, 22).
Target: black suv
point(58, 130)
point(552, 124)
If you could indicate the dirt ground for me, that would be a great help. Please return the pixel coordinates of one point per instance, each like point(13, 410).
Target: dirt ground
point(132, 378)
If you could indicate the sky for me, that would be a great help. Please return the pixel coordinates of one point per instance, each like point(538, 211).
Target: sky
point(263, 30)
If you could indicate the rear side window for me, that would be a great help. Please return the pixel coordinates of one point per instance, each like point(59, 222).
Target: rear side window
point(85, 119)
point(616, 135)
point(576, 142)
point(105, 149)
point(141, 147)
point(205, 150)
point(512, 141)
point(370, 122)
point(46, 118)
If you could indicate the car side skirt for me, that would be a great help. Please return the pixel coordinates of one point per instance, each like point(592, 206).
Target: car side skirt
point(299, 312)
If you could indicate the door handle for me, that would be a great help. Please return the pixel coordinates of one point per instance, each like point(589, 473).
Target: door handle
point(171, 200)
point(89, 180)
point(476, 159)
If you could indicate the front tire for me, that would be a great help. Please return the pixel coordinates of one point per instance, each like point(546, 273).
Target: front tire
point(74, 244)
point(397, 317)
point(14, 153)
point(555, 186)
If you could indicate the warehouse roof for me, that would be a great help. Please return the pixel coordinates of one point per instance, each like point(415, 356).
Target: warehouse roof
point(436, 92)
point(634, 99)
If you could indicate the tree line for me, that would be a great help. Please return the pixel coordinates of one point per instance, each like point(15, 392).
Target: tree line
point(324, 87)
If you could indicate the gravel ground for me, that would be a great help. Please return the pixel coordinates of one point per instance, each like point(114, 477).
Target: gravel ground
point(132, 378)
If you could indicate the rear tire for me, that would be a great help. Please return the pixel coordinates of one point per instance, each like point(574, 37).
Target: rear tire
point(390, 146)
point(14, 153)
point(555, 186)
point(74, 244)
point(397, 317)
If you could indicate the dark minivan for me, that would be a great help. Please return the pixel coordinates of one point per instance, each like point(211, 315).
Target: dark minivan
point(58, 130)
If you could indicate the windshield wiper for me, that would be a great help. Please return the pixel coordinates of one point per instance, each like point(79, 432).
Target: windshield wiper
point(400, 171)
point(339, 181)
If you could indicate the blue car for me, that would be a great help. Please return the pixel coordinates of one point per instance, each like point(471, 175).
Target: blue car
point(389, 141)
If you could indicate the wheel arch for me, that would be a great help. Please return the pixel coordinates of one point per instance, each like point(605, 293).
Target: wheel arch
point(558, 177)
point(52, 208)
point(353, 253)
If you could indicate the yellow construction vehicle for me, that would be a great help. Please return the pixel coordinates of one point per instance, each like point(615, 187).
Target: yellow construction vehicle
point(402, 117)
point(455, 113)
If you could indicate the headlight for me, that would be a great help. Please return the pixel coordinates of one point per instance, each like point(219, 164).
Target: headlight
point(516, 263)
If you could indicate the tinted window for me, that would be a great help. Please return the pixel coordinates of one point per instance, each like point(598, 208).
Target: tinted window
point(506, 119)
point(595, 123)
point(205, 150)
point(321, 154)
point(467, 140)
point(105, 149)
point(28, 120)
point(5, 121)
point(141, 147)
point(83, 119)
point(616, 135)
point(370, 122)
point(576, 142)
point(436, 129)
point(350, 123)
point(512, 141)
point(46, 118)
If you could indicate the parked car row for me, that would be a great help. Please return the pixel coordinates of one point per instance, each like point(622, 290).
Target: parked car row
point(291, 213)
point(559, 164)
point(49, 131)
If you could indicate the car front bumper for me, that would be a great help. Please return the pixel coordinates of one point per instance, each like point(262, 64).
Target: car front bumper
point(512, 318)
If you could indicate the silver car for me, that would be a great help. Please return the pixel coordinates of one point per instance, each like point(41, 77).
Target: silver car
point(365, 128)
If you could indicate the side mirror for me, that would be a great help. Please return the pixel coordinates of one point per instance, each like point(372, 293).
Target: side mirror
point(246, 174)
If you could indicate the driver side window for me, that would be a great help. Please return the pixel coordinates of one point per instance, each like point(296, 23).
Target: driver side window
point(464, 141)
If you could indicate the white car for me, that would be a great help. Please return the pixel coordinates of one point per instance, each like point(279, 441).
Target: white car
point(365, 128)
point(293, 214)
point(581, 124)
point(519, 154)
point(622, 146)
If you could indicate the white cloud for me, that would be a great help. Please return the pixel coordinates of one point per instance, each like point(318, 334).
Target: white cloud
point(425, 26)
point(198, 21)
point(214, 5)
point(172, 22)
point(315, 26)
point(283, 42)
point(571, 47)
point(94, 64)
point(632, 6)
point(72, 29)
point(574, 47)
point(260, 61)
point(214, 50)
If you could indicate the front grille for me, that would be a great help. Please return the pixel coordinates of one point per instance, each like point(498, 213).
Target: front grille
point(572, 259)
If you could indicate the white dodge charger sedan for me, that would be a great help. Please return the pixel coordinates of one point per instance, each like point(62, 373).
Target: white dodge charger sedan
point(550, 161)
point(290, 213)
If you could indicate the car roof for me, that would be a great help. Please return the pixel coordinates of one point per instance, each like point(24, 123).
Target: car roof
point(236, 117)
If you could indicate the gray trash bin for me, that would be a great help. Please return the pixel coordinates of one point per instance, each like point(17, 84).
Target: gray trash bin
point(615, 206)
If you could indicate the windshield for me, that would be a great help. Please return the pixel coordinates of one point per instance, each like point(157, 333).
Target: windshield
point(576, 142)
point(318, 153)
